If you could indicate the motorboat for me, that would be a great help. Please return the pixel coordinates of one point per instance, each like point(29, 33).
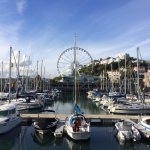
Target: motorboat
point(77, 128)
point(144, 126)
point(126, 131)
point(46, 125)
point(9, 118)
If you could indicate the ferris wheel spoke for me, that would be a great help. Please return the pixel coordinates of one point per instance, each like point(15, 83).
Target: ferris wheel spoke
point(67, 57)
point(80, 57)
point(71, 55)
point(66, 60)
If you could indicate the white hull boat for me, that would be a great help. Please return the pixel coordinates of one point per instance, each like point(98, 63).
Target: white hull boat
point(9, 118)
point(126, 131)
point(79, 131)
point(129, 109)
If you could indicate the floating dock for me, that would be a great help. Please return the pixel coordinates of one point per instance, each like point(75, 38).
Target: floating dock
point(90, 117)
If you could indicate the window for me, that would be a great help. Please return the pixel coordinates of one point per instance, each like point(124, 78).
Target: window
point(4, 113)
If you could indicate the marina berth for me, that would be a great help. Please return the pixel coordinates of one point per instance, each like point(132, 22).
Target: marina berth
point(9, 118)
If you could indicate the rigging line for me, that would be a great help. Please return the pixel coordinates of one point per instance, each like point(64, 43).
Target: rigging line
point(81, 56)
point(68, 52)
point(66, 57)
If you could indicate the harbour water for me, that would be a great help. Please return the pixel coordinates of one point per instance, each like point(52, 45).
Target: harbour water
point(102, 137)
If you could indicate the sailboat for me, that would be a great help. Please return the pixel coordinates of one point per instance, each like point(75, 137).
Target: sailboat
point(9, 116)
point(76, 126)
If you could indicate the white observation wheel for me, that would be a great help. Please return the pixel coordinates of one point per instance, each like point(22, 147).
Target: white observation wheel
point(65, 63)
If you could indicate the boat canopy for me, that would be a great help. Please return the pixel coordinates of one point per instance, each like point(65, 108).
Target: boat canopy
point(48, 110)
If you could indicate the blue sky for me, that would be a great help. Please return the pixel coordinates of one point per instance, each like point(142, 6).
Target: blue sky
point(43, 29)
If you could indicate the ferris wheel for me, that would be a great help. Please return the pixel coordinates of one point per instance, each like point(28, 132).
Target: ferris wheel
point(65, 63)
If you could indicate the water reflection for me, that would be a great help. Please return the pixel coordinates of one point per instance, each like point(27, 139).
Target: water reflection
point(25, 138)
point(41, 139)
point(77, 145)
point(10, 140)
point(65, 105)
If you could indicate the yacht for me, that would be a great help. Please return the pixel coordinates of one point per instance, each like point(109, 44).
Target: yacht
point(77, 128)
point(27, 103)
point(130, 108)
point(9, 118)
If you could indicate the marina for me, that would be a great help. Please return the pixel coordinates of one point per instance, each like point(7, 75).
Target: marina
point(76, 113)
point(74, 75)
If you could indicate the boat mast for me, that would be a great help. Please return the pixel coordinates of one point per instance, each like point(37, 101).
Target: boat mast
point(41, 76)
point(37, 77)
point(18, 74)
point(27, 79)
point(106, 88)
point(119, 76)
point(112, 79)
point(75, 72)
point(2, 78)
point(125, 76)
point(44, 79)
point(138, 85)
point(10, 65)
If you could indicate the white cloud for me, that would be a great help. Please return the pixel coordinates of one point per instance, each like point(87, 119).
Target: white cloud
point(20, 6)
